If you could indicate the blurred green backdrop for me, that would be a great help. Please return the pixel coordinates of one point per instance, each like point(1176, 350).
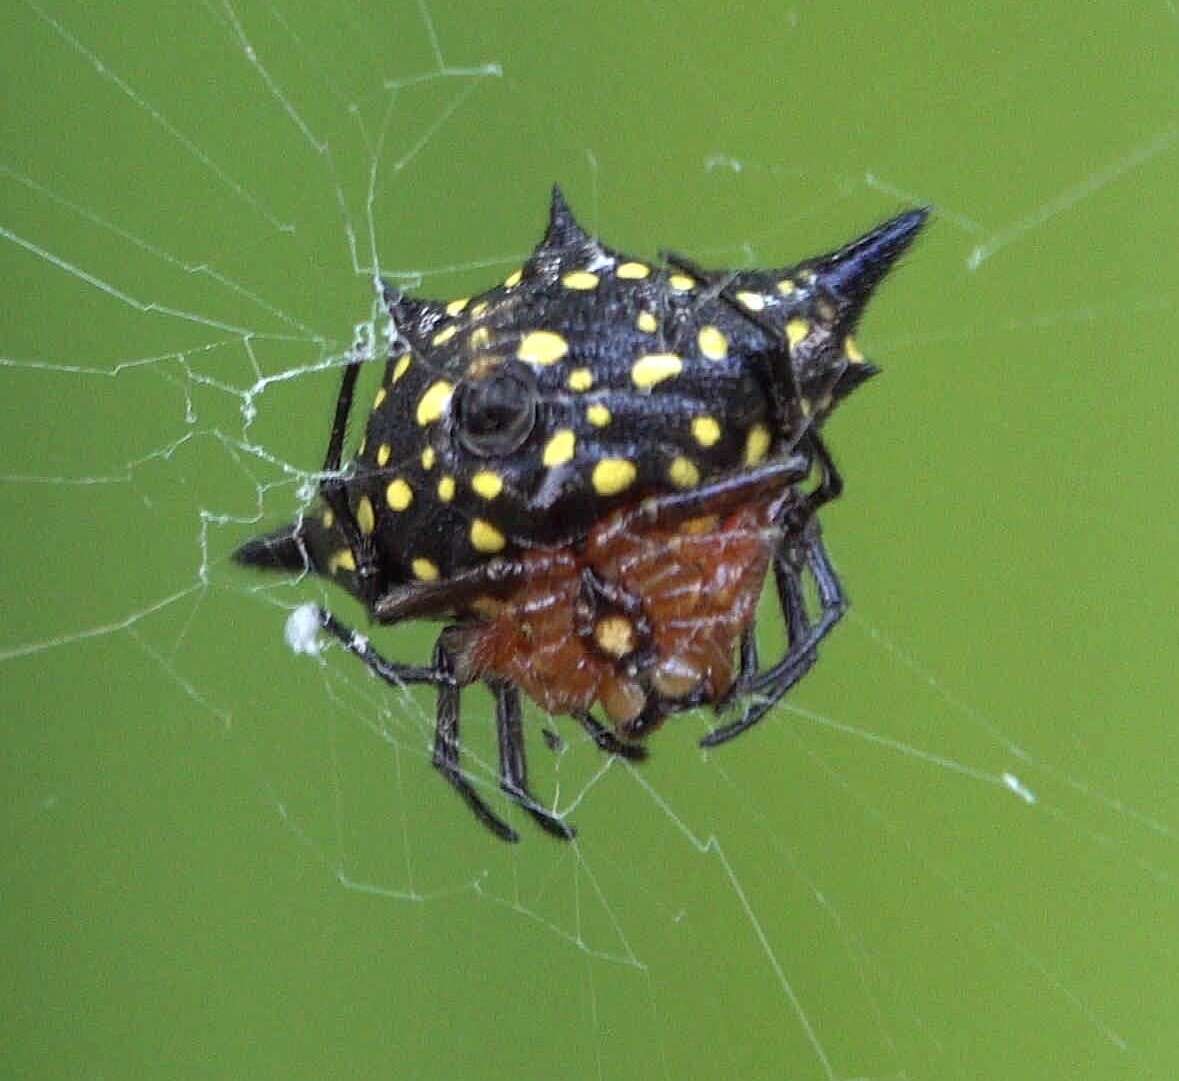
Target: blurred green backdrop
point(221, 860)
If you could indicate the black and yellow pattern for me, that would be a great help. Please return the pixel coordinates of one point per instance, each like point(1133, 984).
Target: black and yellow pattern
point(586, 379)
point(589, 470)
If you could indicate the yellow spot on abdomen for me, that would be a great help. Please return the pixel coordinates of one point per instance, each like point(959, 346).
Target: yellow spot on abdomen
point(398, 495)
point(681, 282)
point(713, 344)
point(479, 309)
point(598, 415)
point(487, 484)
point(428, 458)
point(613, 475)
point(424, 570)
point(580, 279)
point(580, 379)
point(434, 401)
point(328, 519)
point(757, 444)
point(456, 306)
point(705, 430)
point(379, 398)
point(786, 287)
point(683, 473)
point(513, 279)
point(383, 452)
point(694, 527)
point(633, 271)
point(646, 323)
point(401, 368)
point(485, 537)
point(542, 347)
point(366, 517)
point(615, 635)
point(755, 302)
point(444, 335)
point(852, 351)
point(560, 448)
point(654, 368)
point(446, 488)
point(343, 560)
point(796, 331)
point(480, 338)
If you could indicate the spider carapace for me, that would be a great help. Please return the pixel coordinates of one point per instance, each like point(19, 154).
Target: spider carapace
point(588, 472)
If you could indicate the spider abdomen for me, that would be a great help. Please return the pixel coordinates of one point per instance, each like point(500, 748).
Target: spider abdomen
point(642, 622)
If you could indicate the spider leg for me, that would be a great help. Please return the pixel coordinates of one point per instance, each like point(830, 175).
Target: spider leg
point(513, 768)
point(393, 673)
point(830, 485)
point(607, 740)
point(446, 745)
point(766, 689)
point(333, 488)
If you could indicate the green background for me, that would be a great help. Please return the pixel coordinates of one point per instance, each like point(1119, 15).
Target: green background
point(222, 860)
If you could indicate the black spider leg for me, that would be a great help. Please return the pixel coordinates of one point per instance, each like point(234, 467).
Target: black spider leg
point(830, 486)
point(513, 777)
point(446, 744)
point(605, 738)
point(513, 767)
point(764, 690)
point(392, 672)
point(333, 487)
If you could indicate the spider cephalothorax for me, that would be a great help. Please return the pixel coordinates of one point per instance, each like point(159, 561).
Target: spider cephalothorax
point(588, 470)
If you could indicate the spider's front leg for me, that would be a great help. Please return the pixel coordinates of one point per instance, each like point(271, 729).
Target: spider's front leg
point(446, 743)
point(762, 690)
point(513, 768)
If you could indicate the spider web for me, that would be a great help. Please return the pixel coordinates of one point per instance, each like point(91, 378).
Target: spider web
point(951, 852)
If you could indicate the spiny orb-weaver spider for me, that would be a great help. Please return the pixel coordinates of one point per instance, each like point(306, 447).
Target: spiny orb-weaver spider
point(588, 472)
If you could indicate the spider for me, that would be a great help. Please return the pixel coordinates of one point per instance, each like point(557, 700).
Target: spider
point(588, 472)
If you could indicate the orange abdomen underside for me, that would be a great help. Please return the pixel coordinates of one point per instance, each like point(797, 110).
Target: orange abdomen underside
point(698, 583)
